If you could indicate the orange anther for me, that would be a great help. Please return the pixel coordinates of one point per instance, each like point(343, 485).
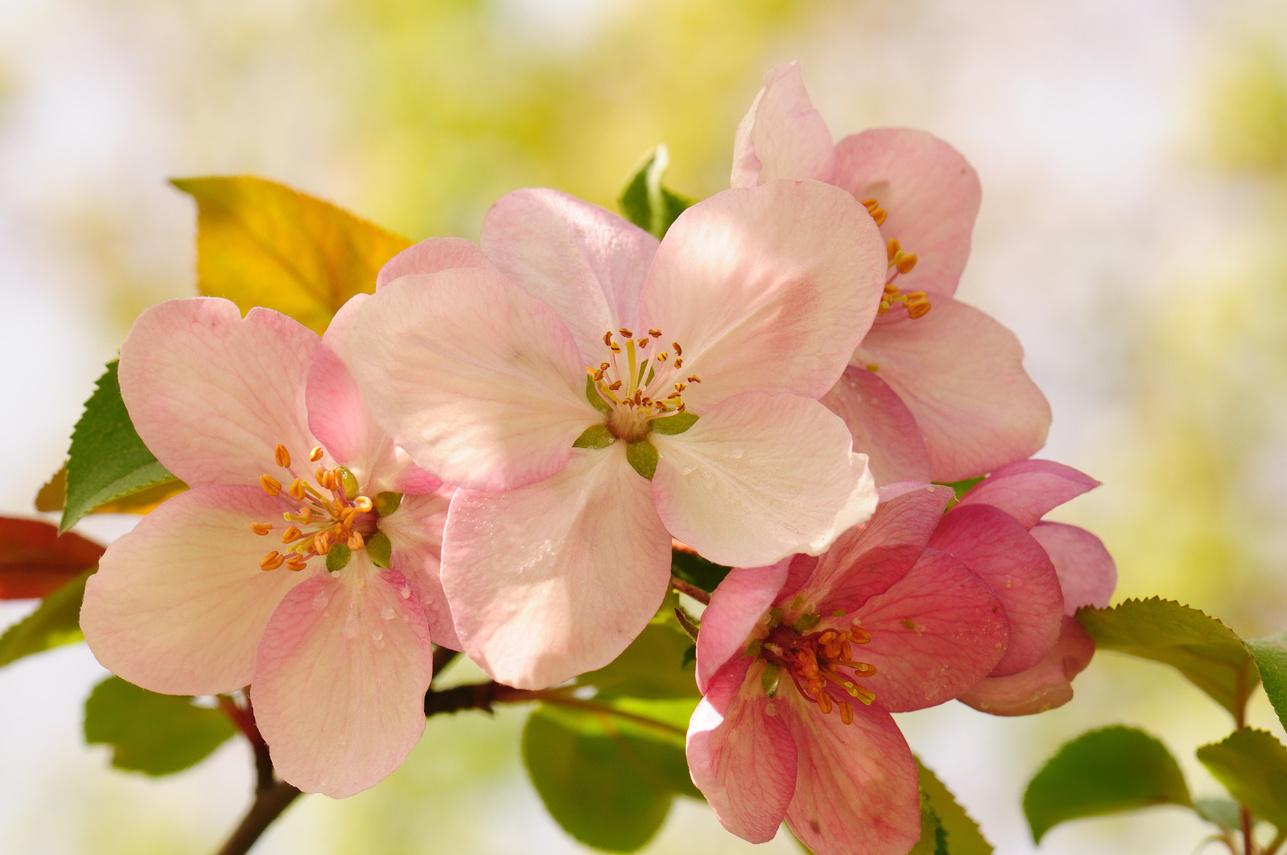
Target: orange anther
point(322, 542)
point(363, 504)
point(261, 529)
point(298, 489)
point(282, 456)
point(906, 263)
point(291, 535)
point(870, 204)
point(642, 342)
point(270, 484)
point(679, 363)
point(846, 713)
point(655, 333)
point(693, 378)
point(355, 541)
point(892, 249)
point(316, 454)
point(663, 356)
point(271, 561)
point(824, 702)
point(347, 515)
point(625, 333)
point(326, 478)
point(879, 215)
point(296, 563)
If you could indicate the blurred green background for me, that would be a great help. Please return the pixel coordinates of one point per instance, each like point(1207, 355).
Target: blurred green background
point(1133, 234)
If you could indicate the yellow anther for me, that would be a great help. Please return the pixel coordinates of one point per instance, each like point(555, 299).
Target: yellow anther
point(693, 378)
point(655, 333)
point(291, 535)
point(642, 342)
point(906, 263)
point(316, 454)
point(271, 561)
point(663, 356)
point(918, 304)
point(270, 484)
point(892, 250)
point(363, 504)
point(355, 541)
point(261, 529)
point(679, 387)
point(679, 363)
point(616, 348)
point(282, 456)
point(604, 366)
point(298, 489)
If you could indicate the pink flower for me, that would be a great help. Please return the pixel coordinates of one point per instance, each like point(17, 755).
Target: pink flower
point(936, 390)
point(227, 585)
point(801, 664)
point(594, 393)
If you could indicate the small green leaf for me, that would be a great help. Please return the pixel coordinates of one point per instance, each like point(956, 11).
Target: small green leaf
point(595, 436)
point(1201, 648)
point(1252, 765)
point(1271, 660)
point(645, 202)
point(56, 621)
point(1222, 812)
point(387, 502)
point(695, 570)
point(1105, 771)
point(338, 557)
point(652, 666)
point(960, 834)
point(933, 836)
point(675, 424)
point(596, 400)
point(151, 733)
point(107, 459)
point(642, 455)
point(378, 549)
point(961, 487)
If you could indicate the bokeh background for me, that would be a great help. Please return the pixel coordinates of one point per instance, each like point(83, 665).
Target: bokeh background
point(1133, 233)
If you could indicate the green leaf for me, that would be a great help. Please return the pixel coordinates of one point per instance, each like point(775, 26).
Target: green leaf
point(653, 666)
point(607, 779)
point(645, 202)
point(642, 456)
point(1222, 812)
point(260, 243)
point(595, 436)
point(933, 837)
point(1271, 660)
point(107, 460)
point(675, 424)
point(960, 833)
point(1105, 771)
point(695, 570)
point(151, 733)
point(1203, 649)
point(55, 622)
point(1252, 765)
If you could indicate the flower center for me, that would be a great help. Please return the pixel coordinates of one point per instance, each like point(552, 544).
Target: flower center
point(333, 518)
point(899, 263)
point(637, 389)
point(820, 664)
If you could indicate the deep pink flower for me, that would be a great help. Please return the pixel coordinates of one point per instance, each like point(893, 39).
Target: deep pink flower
point(936, 390)
point(801, 664)
point(554, 378)
point(226, 585)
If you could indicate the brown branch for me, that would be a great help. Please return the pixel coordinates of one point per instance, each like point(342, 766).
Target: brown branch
point(691, 590)
point(1244, 816)
point(442, 657)
point(269, 804)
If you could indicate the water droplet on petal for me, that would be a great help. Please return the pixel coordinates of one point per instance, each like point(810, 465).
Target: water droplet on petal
point(350, 627)
point(737, 454)
point(388, 613)
point(708, 476)
point(377, 635)
point(771, 708)
point(687, 470)
point(405, 592)
point(320, 600)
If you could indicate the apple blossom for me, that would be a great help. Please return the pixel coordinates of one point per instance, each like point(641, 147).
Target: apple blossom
point(227, 584)
point(801, 663)
point(936, 390)
point(594, 392)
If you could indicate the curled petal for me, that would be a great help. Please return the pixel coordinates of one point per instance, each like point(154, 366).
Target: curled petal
point(1030, 489)
point(881, 425)
point(1087, 573)
point(782, 136)
point(736, 607)
point(339, 684)
point(1044, 686)
point(430, 256)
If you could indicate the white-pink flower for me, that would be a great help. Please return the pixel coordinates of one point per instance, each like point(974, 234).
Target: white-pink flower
point(227, 585)
point(555, 378)
point(936, 390)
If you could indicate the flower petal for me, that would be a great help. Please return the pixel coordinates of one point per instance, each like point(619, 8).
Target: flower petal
point(1030, 489)
point(766, 289)
point(1044, 686)
point(759, 477)
point(430, 256)
point(211, 393)
point(856, 791)
point(339, 684)
point(557, 578)
point(415, 533)
point(930, 192)
point(996, 547)
point(178, 604)
point(736, 606)
point(479, 381)
point(935, 633)
point(741, 757)
point(782, 136)
point(961, 375)
point(582, 261)
point(881, 425)
point(1087, 573)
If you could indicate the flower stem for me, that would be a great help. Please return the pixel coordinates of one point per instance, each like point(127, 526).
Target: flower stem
point(691, 590)
point(269, 804)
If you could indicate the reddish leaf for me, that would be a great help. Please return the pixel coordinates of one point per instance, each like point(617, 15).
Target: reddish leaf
point(34, 560)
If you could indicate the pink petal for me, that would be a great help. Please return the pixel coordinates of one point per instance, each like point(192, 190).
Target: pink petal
point(782, 136)
point(935, 633)
point(759, 478)
point(997, 548)
point(212, 394)
point(1030, 489)
point(339, 684)
point(961, 375)
point(766, 289)
point(881, 425)
point(741, 756)
point(430, 256)
point(1044, 686)
point(736, 606)
point(584, 262)
point(856, 791)
point(415, 532)
point(1087, 573)
point(178, 604)
point(930, 192)
point(480, 382)
point(555, 579)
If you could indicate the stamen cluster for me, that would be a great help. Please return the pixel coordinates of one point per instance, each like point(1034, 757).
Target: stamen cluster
point(900, 263)
point(814, 662)
point(647, 389)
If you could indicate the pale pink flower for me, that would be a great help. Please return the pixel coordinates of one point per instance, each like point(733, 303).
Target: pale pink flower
point(801, 664)
point(554, 378)
point(936, 390)
point(226, 585)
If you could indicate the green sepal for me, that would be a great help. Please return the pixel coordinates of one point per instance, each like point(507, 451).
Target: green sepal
point(338, 558)
point(804, 623)
point(387, 502)
point(642, 455)
point(379, 548)
point(769, 679)
point(595, 436)
point(671, 425)
point(960, 487)
point(596, 400)
point(350, 483)
point(645, 202)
